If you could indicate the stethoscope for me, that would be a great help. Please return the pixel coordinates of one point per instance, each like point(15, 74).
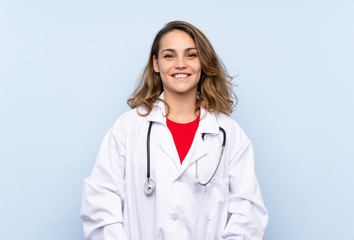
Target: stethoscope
point(149, 185)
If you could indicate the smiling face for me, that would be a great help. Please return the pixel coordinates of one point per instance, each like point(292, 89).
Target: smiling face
point(178, 63)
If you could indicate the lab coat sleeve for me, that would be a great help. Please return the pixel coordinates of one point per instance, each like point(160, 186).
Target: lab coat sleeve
point(249, 216)
point(103, 192)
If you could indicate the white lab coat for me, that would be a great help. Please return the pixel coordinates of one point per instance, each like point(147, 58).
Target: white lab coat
point(115, 207)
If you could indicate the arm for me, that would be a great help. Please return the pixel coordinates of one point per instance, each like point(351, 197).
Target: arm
point(249, 216)
point(103, 192)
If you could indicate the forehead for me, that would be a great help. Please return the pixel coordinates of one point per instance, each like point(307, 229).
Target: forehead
point(176, 39)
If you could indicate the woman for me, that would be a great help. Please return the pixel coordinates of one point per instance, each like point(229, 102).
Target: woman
point(176, 166)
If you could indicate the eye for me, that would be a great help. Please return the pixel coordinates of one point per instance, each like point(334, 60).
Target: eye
point(192, 55)
point(168, 56)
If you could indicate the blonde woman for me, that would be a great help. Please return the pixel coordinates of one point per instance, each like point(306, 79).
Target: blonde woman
point(176, 166)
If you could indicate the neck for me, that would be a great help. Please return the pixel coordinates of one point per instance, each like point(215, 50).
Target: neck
point(181, 107)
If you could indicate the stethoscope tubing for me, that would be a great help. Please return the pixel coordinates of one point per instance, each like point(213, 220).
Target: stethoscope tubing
point(149, 185)
point(217, 167)
point(148, 151)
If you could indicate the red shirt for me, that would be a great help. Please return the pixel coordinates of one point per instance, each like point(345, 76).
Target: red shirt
point(183, 135)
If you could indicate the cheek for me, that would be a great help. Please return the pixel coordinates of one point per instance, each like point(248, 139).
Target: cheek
point(165, 67)
point(197, 69)
point(196, 66)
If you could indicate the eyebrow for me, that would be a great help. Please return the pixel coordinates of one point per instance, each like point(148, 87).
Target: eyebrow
point(172, 50)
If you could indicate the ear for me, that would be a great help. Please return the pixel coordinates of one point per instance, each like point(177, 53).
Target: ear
point(156, 65)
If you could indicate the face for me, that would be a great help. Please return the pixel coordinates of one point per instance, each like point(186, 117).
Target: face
point(178, 63)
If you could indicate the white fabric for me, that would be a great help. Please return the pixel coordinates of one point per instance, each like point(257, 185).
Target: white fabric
point(114, 205)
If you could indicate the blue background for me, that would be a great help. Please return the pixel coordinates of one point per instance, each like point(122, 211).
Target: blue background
point(67, 68)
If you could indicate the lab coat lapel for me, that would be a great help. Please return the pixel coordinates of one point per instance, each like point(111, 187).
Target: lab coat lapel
point(166, 142)
point(168, 146)
point(208, 125)
point(196, 152)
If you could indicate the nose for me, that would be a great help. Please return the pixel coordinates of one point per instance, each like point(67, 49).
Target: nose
point(180, 63)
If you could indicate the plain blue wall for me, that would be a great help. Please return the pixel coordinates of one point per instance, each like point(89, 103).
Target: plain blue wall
point(67, 68)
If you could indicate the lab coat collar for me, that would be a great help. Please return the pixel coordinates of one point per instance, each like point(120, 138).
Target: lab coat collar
point(208, 124)
point(158, 113)
point(208, 121)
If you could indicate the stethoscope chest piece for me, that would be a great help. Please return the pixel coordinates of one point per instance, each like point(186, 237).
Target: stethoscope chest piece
point(149, 186)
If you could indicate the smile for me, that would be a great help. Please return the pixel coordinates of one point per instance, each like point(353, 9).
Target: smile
point(181, 75)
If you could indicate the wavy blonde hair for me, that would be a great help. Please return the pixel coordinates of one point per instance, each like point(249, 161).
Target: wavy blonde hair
point(214, 88)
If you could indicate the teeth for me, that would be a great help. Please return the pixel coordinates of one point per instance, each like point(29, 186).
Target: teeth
point(180, 75)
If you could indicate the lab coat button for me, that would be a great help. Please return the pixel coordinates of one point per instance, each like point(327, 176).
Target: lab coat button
point(174, 216)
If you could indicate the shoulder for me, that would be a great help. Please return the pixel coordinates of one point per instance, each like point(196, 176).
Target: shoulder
point(131, 115)
point(227, 122)
point(232, 128)
point(128, 120)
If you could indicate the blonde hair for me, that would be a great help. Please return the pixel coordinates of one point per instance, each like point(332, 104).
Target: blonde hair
point(214, 87)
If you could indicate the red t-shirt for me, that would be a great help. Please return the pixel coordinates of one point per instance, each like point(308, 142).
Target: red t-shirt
point(183, 135)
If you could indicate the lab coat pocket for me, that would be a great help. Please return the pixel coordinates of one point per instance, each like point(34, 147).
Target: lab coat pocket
point(216, 194)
